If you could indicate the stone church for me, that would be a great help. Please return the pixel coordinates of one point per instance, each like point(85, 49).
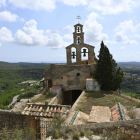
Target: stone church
point(73, 77)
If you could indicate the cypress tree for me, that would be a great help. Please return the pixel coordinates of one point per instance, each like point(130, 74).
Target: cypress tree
point(106, 71)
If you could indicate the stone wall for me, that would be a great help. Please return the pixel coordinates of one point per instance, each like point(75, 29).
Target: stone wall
point(57, 99)
point(70, 77)
point(129, 130)
point(11, 120)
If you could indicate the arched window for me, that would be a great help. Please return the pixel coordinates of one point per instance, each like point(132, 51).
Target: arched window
point(78, 40)
point(73, 54)
point(84, 54)
point(78, 29)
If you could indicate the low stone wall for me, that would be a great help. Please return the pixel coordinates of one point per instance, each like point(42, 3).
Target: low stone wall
point(11, 120)
point(129, 129)
point(57, 99)
point(74, 107)
point(129, 98)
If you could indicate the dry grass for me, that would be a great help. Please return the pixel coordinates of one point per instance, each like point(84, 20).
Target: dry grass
point(41, 99)
point(98, 98)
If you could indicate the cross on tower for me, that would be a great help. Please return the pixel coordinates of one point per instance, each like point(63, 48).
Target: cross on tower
point(73, 55)
point(78, 18)
point(84, 52)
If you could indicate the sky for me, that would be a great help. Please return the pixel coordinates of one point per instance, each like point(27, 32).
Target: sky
point(40, 30)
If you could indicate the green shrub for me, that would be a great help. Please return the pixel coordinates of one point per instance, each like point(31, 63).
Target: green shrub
point(82, 133)
point(65, 137)
point(18, 134)
point(75, 136)
point(135, 96)
point(68, 129)
point(138, 105)
point(55, 134)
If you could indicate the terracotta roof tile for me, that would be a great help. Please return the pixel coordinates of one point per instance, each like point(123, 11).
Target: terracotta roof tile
point(115, 113)
point(42, 79)
point(40, 110)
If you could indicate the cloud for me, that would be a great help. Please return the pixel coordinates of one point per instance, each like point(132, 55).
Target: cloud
point(128, 41)
point(0, 44)
point(125, 30)
point(120, 37)
point(6, 35)
point(68, 36)
point(74, 2)
point(125, 26)
point(137, 36)
point(31, 36)
point(92, 16)
point(8, 16)
point(113, 6)
point(122, 48)
point(68, 29)
point(93, 29)
point(2, 3)
point(47, 5)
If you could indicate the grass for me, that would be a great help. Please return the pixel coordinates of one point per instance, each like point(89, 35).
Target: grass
point(98, 98)
point(46, 96)
point(134, 95)
point(41, 99)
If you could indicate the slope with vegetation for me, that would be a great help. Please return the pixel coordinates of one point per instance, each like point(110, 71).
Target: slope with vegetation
point(11, 76)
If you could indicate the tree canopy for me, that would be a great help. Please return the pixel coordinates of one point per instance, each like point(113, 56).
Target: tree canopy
point(107, 73)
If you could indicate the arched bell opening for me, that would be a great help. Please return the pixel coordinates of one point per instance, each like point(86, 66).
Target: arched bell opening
point(84, 55)
point(73, 55)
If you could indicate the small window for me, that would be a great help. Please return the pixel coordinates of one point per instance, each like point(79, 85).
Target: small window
point(78, 74)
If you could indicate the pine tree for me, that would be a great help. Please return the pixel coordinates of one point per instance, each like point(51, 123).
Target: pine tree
point(107, 73)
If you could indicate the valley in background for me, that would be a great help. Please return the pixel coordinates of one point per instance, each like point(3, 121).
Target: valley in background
point(12, 74)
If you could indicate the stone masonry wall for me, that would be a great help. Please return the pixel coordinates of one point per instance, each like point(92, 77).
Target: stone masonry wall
point(129, 130)
point(66, 75)
point(11, 120)
point(57, 99)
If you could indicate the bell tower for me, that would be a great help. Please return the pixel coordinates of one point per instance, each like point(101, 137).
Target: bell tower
point(78, 35)
point(81, 48)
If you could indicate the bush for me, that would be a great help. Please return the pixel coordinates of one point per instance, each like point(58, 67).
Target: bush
point(75, 136)
point(55, 128)
point(135, 96)
point(65, 137)
point(68, 129)
point(138, 105)
point(18, 134)
point(82, 133)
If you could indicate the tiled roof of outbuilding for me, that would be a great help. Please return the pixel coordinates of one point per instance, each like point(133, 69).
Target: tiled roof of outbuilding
point(41, 110)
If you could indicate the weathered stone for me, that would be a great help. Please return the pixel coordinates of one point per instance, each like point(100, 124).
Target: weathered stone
point(137, 137)
point(135, 126)
point(132, 137)
point(127, 132)
point(118, 131)
point(122, 129)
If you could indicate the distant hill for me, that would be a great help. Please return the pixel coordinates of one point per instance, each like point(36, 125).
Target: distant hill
point(135, 65)
point(7, 65)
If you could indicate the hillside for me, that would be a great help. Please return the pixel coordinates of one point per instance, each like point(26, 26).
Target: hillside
point(7, 65)
point(135, 65)
point(11, 74)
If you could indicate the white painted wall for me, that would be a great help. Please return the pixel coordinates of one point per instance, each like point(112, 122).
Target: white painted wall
point(55, 91)
point(92, 85)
